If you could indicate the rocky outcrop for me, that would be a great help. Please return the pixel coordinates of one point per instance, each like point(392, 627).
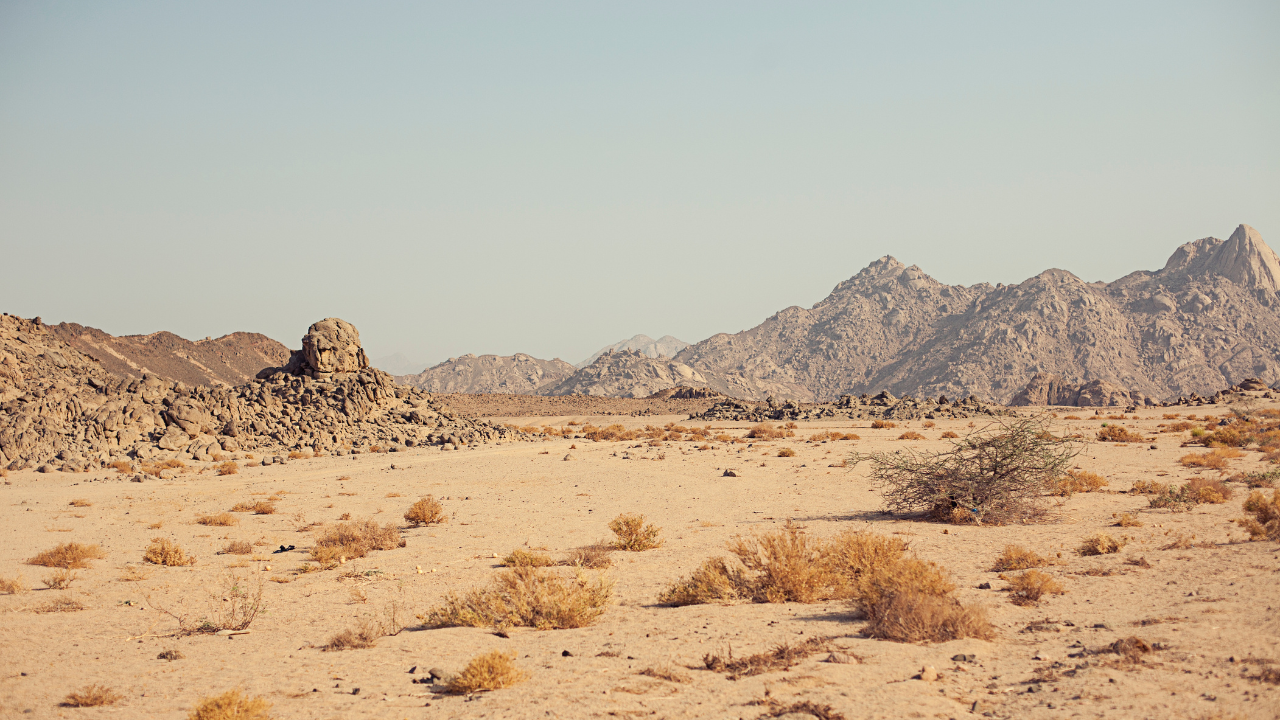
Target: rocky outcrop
point(883, 406)
point(666, 346)
point(227, 360)
point(60, 409)
point(685, 393)
point(1047, 389)
point(517, 374)
point(1208, 319)
point(629, 374)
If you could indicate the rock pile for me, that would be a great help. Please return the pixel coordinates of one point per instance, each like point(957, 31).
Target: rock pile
point(60, 410)
point(880, 407)
point(1049, 389)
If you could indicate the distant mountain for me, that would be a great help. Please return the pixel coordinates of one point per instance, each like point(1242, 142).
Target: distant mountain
point(517, 374)
point(1209, 319)
point(228, 360)
point(630, 373)
point(666, 346)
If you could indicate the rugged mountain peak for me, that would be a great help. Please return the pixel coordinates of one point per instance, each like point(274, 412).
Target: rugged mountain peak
point(1242, 258)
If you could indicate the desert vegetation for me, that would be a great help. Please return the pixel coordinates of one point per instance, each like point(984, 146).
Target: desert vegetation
point(526, 597)
point(69, 556)
point(490, 671)
point(631, 533)
point(1265, 523)
point(1029, 587)
point(163, 551)
point(355, 539)
point(92, 696)
point(426, 511)
point(231, 705)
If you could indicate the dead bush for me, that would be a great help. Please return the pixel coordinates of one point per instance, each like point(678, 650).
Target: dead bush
point(365, 636)
point(632, 533)
point(237, 547)
point(785, 565)
point(883, 425)
point(1127, 520)
point(14, 586)
point(259, 507)
point(826, 435)
point(228, 468)
point(1100, 543)
point(666, 672)
point(490, 671)
point(713, 582)
point(1265, 523)
point(354, 539)
point(594, 556)
point(928, 424)
point(80, 502)
point(60, 580)
point(92, 696)
point(1131, 648)
point(163, 551)
point(1148, 487)
point(1215, 459)
point(949, 435)
point(121, 466)
point(159, 466)
point(1208, 490)
point(426, 511)
point(524, 558)
point(919, 617)
point(1016, 557)
point(1030, 586)
point(994, 477)
point(1078, 481)
point(1118, 433)
point(69, 556)
point(526, 597)
point(786, 452)
point(231, 705)
point(220, 520)
point(780, 657)
point(911, 435)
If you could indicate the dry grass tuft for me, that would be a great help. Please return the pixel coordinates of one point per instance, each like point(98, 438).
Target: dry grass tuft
point(801, 708)
point(1208, 490)
point(715, 581)
point(948, 435)
point(1127, 520)
point(780, 658)
point(92, 696)
point(911, 435)
point(231, 705)
point(883, 425)
point(426, 511)
point(491, 671)
point(80, 502)
point(1030, 586)
point(62, 604)
point(228, 468)
point(163, 551)
point(632, 534)
point(60, 580)
point(121, 466)
point(1078, 481)
point(1100, 543)
point(786, 452)
point(237, 547)
point(219, 520)
point(1265, 523)
point(524, 558)
point(595, 556)
point(260, 507)
point(1215, 459)
point(70, 556)
point(766, 431)
point(354, 539)
point(363, 637)
point(666, 672)
point(526, 597)
point(14, 586)
point(918, 617)
point(155, 468)
point(1016, 557)
point(1118, 433)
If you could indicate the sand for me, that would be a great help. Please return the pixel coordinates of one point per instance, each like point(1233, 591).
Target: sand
point(1215, 610)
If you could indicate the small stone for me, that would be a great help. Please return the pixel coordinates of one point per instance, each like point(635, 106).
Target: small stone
point(928, 673)
point(729, 473)
point(438, 673)
point(985, 586)
point(964, 658)
point(569, 457)
point(566, 653)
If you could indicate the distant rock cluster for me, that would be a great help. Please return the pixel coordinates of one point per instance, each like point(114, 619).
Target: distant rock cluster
point(59, 409)
point(1045, 389)
point(883, 406)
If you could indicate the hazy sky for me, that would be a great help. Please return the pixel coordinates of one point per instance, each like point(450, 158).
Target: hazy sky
point(552, 177)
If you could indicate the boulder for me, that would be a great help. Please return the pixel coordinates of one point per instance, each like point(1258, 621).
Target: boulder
point(333, 346)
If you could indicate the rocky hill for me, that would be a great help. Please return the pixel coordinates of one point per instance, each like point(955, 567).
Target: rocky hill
point(630, 374)
point(517, 374)
point(228, 360)
point(61, 410)
point(1208, 319)
point(666, 346)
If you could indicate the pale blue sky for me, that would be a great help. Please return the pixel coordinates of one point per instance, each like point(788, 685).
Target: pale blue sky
point(552, 177)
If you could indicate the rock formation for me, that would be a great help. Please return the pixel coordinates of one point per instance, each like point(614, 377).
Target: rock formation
point(666, 346)
point(227, 360)
point(628, 374)
point(517, 374)
point(1047, 389)
point(883, 406)
point(1208, 319)
point(60, 409)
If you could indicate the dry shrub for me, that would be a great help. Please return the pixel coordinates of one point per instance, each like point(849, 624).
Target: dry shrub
point(1100, 543)
point(832, 435)
point(354, 540)
point(70, 556)
point(1118, 433)
point(993, 477)
point(80, 502)
point(62, 604)
point(594, 556)
point(666, 672)
point(121, 466)
point(1131, 648)
point(1148, 487)
point(134, 573)
point(1258, 479)
point(524, 558)
point(785, 565)
point(1078, 481)
point(231, 705)
point(365, 636)
point(911, 435)
point(220, 520)
point(299, 455)
point(949, 435)
point(883, 425)
point(163, 551)
point(60, 580)
point(228, 468)
point(490, 671)
point(632, 533)
point(1030, 586)
point(800, 708)
point(766, 431)
point(155, 468)
point(1208, 490)
point(1016, 557)
point(918, 617)
point(237, 547)
point(426, 511)
point(14, 586)
point(526, 597)
point(260, 507)
point(928, 424)
point(781, 657)
point(92, 696)
point(1265, 523)
point(1215, 459)
point(1071, 417)
point(786, 452)
point(1127, 520)
point(713, 582)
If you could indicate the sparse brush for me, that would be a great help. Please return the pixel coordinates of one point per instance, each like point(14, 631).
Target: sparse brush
point(949, 435)
point(920, 617)
point(490, 671)
point(781, 657)
point(1127, 520)
point(299, 455)
point(121, 466)
point(1131, 648)
point(595, 556)
point(1208, 490)
point(715, 581)
point(238, 602)
point(354, 540)
point(666, 672)
point(60, 580)
point(911, 435)
point(365, 636)
point(766, 431)
point(523, 558)
point(1078, 481)
point(92, 696)
point(14, 586)
point(526, 597)
point(159, 466)
point(1265, 523)
point(632, 533)
point(228, 468)
point(220, 520)
point(1118, 433)
point(231, 705)
point(426, 511)
point(1100, 543)
point(883, 425)
point(928, 424)
point(163, 551)
point(1016, 557)
point(786, 452)
point(787, 565)
point(1215, 459)
point(237, 547)
point(1148, 487)
point(993, 478)
point(80, 502)
point(70, 556)
point(1258, 479)
point(259, 507)
point(61, 605)
point(1030, 586)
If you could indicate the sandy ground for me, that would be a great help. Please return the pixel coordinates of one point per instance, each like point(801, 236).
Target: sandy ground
point(1215, 609)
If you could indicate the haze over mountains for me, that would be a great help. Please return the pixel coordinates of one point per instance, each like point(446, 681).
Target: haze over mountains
point(666, 346)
